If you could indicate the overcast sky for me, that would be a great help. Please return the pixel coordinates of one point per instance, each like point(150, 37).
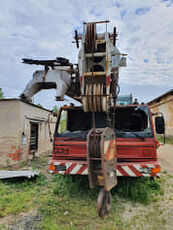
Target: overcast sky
point(44, 29)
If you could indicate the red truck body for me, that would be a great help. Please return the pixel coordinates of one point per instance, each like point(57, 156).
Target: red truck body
point(136, 146)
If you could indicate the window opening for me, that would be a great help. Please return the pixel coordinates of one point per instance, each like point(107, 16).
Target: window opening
point(33, 137)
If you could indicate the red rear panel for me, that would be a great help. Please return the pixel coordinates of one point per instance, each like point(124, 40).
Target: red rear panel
point(128, 149)
point(66, 148)
point(133, 149)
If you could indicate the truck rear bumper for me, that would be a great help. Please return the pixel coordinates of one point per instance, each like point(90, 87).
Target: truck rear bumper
point(131, 169)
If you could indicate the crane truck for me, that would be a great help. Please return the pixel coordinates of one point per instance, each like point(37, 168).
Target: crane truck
point(99, 138)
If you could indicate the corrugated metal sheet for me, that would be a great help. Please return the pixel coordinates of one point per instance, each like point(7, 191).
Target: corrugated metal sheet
point(14, 174)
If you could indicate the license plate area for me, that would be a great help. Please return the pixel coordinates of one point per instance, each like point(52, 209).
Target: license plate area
point(60, 168)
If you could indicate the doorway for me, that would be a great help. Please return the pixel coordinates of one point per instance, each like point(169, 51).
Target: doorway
point(33, 146)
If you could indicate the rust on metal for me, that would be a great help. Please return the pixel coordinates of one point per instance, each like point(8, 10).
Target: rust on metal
point(101, 161)
point(101, 158)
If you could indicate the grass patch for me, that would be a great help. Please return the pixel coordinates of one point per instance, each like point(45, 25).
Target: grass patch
point(66, 202)
point(15, 203)
point(16, 195)
point(63, 124)
point(73, 186)
point(141, 189)
point(71, 200)
point(168, 140)
point(77, 203)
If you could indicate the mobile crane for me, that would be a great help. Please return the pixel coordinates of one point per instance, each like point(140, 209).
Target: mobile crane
point(101, 139)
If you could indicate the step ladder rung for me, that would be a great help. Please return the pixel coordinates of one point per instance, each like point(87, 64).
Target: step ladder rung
point(102, 73)
point(98, 54)
point(95, 159)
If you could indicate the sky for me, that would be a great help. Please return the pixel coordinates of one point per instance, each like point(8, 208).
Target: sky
point(44, 29)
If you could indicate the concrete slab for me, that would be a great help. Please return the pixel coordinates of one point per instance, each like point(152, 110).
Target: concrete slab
point(14, 174)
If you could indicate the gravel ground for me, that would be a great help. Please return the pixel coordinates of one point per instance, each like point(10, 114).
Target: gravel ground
point(157, 215)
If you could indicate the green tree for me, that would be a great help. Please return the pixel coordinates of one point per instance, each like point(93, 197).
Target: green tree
point(1, 94)
point(39, 105)
point(55, 109)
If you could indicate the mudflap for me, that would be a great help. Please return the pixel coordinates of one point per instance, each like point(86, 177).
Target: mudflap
point(102, 160)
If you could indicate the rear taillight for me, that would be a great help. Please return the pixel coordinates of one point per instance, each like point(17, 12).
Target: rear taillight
point(52, 167)
point(157, 169)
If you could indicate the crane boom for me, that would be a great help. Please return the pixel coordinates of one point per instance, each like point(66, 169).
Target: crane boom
point(93, 81)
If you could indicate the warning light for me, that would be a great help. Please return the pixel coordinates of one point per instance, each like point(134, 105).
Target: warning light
point(156, 170)
point(52, 167)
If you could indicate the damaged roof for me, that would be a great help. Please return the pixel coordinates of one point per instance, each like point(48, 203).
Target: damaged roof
point(157, 99)
point(27, 102)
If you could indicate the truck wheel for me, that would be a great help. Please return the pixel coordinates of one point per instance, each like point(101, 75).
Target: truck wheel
point(103, 203)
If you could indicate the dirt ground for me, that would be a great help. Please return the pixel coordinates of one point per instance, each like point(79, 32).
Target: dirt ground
point(165, 157)
point(158, 215)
